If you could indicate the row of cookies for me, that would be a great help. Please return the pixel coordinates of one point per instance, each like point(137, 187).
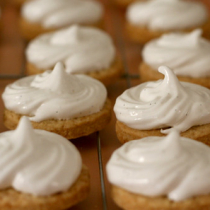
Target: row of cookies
point(157, 52)
point(157, 25)
point(160, 207)
point(145, 20)
point(73, 40)
point(159, 172)
point(62, 95)
point(162, 104)
point(63, 103)
point(48, 172)
point(38, 17)
point(71, 52)
point(176, 34)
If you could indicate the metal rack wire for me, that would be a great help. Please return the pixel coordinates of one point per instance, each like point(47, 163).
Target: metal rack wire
point(126, 76)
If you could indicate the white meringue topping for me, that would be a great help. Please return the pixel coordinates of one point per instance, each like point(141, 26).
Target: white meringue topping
point(163, 104)
point(36, 161)
point(153, 166)
point(55, 95)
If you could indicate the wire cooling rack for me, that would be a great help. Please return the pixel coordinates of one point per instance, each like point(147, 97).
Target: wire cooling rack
point(97, 148)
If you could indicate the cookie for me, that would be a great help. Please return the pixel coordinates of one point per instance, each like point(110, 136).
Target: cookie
point(159, 173)
point(148, 20)
point(53, 15)
point(57, 101)
point(187, 54)
point(31, 180)
point(83, 50)
point(156, 107)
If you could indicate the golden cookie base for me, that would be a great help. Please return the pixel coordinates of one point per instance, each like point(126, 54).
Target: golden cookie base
point(30, 30)
point(130, 201)
point(147, 73)
point(142, 35)
point(11, 199)
point(106, 76)
point(69, 129)
point(124, 133)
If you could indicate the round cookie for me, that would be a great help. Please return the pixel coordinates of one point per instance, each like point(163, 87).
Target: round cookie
point(154, 108)
point(11, 199)
point(151, 19)
point(187, 54)
point(31, 180)
point(69, 105)
point(83, 50)
point(159, 173)
point(70, 129)
point(131, 201)
point(38, 17)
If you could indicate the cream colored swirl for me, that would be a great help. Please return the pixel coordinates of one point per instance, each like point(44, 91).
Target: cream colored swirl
point(186, 53)
point(81, 49)
point(167, 14)
point(54, 14)
point(55, 95)
point(153, 166)
point(36, 161)
point(164, 103)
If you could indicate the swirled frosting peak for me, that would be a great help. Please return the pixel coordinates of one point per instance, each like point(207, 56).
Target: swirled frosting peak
point(164, 104)
point(167, 14)
point(186, 53)
point(69, 36)
point(58, 81)
point(55, 14)
point(153, 166)
point(28, 157)
point(180, 40)
point(55, 95)
point(81, 49)
point(152, 92)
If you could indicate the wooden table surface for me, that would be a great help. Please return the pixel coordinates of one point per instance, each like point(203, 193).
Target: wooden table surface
point(97, 148)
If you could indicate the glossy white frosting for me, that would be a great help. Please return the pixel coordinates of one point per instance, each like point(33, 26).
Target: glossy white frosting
point(54, 13)
point(36, 161)
point(55, 95)
point(173, 166)
point(163, 104)
point(167, 14)
point(186, 53)
point(81, 49)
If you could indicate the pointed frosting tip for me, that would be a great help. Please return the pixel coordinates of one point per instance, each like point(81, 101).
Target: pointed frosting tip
point(58, 69)
point(196, 33)
point(59, 66)
point(58, 80)
point(195, 36)
point(70, 35)
point(168, 72)
point(74, 28)
point(173, 138)
point(170, 79)
point(174, 133)
point(164, 69)
point(58, 73)
point(24, 124)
